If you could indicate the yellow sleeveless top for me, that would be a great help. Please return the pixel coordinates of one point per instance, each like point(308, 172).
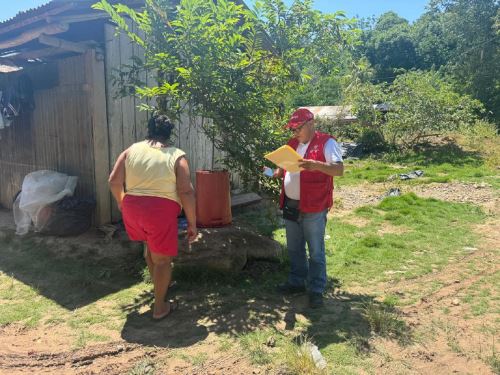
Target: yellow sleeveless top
point(150, 171)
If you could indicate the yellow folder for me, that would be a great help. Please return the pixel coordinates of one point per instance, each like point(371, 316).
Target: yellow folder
point(285, 157)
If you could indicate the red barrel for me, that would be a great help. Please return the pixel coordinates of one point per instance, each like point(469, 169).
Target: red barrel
point(213, 199)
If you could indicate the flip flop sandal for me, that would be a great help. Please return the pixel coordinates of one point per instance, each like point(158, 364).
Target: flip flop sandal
point(174, 305)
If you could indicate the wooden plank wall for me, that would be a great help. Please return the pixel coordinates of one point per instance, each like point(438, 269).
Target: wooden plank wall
point(94, 63)
point(128, 125)
point(57, 135)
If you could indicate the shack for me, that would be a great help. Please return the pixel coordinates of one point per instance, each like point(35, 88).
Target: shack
point(60, 108)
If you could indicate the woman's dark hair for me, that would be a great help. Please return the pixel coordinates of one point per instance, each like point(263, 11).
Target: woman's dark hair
point(159, 128)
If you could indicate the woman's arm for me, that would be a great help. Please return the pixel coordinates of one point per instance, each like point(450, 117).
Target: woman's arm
point(186, 194)
point(116, 179)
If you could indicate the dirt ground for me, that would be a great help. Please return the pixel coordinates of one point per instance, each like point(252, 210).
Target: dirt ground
point(454, 339)
point(447, 343)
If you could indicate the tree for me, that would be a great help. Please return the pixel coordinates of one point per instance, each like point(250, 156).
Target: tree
point(433, 46)
point(389, 46)
point(316, 46)
point(231, 66)
point(420, 105)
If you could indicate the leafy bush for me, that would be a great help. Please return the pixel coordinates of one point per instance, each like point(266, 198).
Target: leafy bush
point(420, 105)
point(372, 141)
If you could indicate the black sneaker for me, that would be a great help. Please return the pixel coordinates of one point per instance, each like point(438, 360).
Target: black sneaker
point(315, 300)
point(287, 288)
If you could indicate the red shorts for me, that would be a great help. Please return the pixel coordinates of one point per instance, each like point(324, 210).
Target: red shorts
point(152, 220)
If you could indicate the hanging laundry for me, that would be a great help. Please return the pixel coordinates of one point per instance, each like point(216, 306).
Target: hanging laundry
point(17, 97)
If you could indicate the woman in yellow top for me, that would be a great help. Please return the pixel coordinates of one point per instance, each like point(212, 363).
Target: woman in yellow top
point(150, 182)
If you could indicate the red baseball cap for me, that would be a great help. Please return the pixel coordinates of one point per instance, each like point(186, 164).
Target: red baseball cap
point(299, 117)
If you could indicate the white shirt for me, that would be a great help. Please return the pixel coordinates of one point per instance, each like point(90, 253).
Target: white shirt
point(333, 154)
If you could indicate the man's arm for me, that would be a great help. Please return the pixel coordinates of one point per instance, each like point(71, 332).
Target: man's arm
point(116, 179)
point(331, 169)
point(333, 166)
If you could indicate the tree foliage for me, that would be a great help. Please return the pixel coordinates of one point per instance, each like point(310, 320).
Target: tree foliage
point(459, 38)
point(231, 66)
point(420, 105)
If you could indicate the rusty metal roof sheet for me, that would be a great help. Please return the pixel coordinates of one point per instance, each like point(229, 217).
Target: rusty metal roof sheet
point(333, 112)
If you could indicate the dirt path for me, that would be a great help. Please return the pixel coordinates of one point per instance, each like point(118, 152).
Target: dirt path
point(119, 358)
point(451, 337)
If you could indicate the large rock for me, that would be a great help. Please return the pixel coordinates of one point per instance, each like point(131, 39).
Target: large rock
point(226, 249)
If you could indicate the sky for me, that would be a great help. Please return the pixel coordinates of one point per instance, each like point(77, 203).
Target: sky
point(409, 9)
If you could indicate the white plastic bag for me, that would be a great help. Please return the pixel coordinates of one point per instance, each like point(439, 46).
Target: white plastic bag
point(21, 218)
point(40, 189)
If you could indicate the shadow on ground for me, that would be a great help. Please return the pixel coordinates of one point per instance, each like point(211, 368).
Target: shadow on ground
point(434, 154)
point(236, 310)
point(68, 275)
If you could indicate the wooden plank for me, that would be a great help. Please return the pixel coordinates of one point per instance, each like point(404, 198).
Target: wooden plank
point(128, 102)
point(27, 36)
point(141, 117)
point(245, 199)
point(58, 135)
point(63, 44)
point(39, 53)
point(114, 105)
point(100, 136)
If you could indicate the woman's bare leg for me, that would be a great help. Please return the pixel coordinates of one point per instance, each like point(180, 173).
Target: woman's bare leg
point(162, 274)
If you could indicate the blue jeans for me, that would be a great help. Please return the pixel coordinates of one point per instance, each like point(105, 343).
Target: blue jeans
point(310, 229)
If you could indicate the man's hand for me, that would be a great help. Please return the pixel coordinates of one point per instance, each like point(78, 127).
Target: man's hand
point(192, 233)
point(331, 169)
point(309, 165)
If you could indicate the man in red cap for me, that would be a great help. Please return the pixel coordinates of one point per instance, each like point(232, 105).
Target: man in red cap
point(306, 198)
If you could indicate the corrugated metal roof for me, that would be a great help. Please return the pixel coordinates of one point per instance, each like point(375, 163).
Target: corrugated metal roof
point(32, 16)
point(31, 12)
point(52, 7)
point(333, 112)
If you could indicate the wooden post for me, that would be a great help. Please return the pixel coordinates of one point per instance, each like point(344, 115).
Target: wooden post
point(97, 90)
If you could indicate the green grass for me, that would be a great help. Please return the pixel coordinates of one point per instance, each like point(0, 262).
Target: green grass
point(385, 322)
point(39, 287)
point(254, 345)
point(85, 337)
point(196, 360)
point(433, 232)
point(146, 366)
point(22, 303)
point(445, 163)
point(482, 298)
point(90, 297)
point(431, 235)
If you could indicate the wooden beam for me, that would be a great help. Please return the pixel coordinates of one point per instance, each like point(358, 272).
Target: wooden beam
point(28, 36)
point(39, 54)
point(97, 90)
point(63, 44)
point(8, 68)
point(244, 199)
point(78, 17)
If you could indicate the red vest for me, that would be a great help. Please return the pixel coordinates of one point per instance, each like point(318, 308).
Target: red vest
point(316, 188)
